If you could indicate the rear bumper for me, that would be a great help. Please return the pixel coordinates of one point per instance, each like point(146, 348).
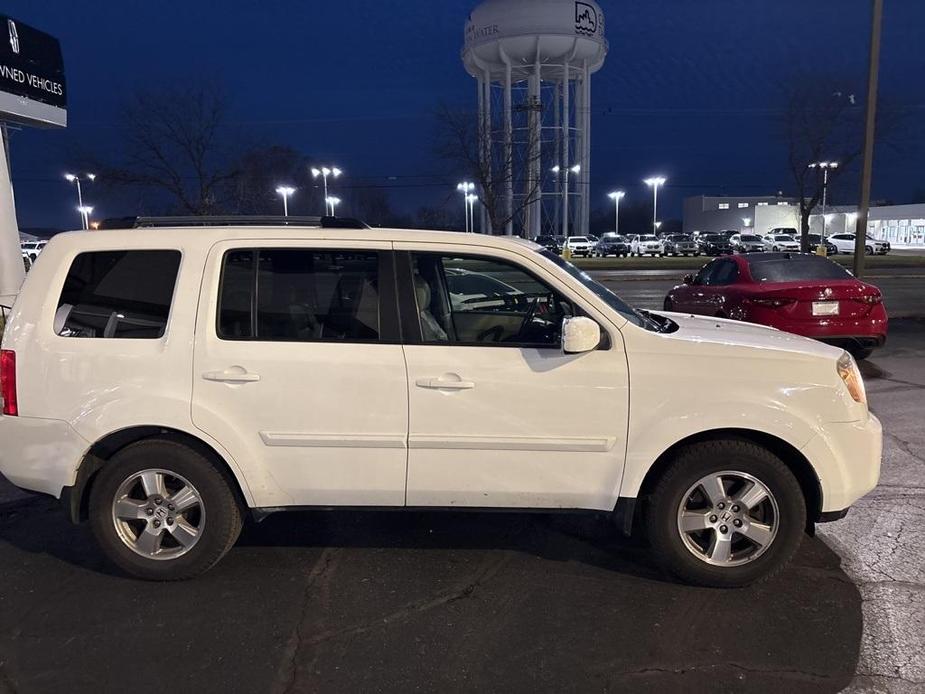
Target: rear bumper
point(846, 457)
point(40, 455)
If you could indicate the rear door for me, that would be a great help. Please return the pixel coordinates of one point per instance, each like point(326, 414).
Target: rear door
point(299, 371)
point(499, 415)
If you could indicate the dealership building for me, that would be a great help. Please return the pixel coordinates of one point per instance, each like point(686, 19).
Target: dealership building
point(902, 225)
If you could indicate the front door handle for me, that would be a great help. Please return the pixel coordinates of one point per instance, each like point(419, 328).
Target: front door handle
point(232, 375)
point(444, 384)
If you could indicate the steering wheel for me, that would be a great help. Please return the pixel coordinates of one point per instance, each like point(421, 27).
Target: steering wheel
point(531, 312)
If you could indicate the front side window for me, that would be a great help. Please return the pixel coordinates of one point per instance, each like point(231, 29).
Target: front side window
point(118, 294)
point(299, 295)
point(483, 301)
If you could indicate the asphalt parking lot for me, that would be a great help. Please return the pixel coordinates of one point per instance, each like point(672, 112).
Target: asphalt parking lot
point(318, 602)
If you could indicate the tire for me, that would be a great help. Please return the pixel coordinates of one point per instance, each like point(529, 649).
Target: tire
point(214, 511)
point(868, 250)
point(859, 352)
point(775, 249)
point(783, 511)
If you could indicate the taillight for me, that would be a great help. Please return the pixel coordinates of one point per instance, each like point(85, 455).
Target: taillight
point(770, 303)
point(8, 383)
point(871, 299)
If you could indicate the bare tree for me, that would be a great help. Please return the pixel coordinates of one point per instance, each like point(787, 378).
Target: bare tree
point(824, 124)
point(174, 140)
point(493, 167)
point(262, 169)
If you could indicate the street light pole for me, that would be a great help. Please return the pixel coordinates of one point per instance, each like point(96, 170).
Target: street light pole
point(324, 172)
point(332, 201)
point(860, 239)
point(654, 183)
point(565, 216)
point(616, 196)
point(285, 191)
point(470, 202)
point(465, 188)
point(75, 179)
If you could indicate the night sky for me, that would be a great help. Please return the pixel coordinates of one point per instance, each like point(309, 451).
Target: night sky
point(689, 89)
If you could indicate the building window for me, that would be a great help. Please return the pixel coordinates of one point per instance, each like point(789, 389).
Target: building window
point(762, 204)
point(724, 206)
point(783, 204)
point(743, 205)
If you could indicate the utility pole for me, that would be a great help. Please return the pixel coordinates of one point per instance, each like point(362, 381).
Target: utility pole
point(860, 239)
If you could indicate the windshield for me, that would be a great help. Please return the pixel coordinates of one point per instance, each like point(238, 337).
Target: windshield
point(748, 237)
point(611, 299)
point(648, 238)
point(579, 239)
point(796, 268)
point(678, 238)
point(783, 237)
point(713, 237)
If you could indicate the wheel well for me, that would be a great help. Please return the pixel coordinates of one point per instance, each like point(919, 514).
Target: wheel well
point(104, 449)
point(796, 461)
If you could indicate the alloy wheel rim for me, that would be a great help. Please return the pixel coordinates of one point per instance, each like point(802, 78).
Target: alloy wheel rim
point(158, 514)
point(728, 518)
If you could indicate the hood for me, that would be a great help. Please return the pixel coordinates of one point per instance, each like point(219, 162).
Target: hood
point(722, 332)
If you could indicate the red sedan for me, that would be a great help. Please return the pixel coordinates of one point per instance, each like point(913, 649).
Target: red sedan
point(803, 294)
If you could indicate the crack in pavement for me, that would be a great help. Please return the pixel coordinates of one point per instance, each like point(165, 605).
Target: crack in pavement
point(802, 675)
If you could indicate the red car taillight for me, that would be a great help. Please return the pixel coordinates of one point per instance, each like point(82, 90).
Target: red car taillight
point(8, 383)
point(872, 299)
point(770, 303)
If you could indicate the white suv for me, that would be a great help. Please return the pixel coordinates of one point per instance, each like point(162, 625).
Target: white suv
point(845, 243)
point(642, 244)
point(166, 384)
point(580, 246)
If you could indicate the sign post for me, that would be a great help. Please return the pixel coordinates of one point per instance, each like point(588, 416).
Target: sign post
point(32, 92)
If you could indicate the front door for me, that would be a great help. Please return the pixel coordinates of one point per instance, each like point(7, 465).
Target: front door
point(499, 415)
point(299, 371)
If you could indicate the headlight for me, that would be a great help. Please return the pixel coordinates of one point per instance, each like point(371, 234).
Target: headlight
point(851, 375)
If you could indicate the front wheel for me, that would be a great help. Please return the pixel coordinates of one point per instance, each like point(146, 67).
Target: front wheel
point(162, 511)
point(725, 513)
point(869, 251)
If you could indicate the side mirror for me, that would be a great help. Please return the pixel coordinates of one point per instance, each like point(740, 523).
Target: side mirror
point(580, 334)
point(688, 279)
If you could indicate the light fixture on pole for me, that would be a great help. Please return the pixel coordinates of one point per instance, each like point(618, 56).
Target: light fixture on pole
point(75, 179)
point(616, 196)
point(466, 187)
point(324, 172)
point(565, 219)
point(824, 166)
point(285, 191)
point(333, 202)
point(471, 199)
point(654, 182)
point(85, 211)
point(747, 221)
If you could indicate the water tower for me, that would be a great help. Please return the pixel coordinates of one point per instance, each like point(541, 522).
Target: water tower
point(533, 60)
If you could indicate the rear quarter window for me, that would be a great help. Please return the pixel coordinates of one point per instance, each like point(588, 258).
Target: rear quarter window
point(118, 294)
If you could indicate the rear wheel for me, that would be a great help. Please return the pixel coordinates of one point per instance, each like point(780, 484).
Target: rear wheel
point(869, 251)
point(725, 514)
point(162, 511)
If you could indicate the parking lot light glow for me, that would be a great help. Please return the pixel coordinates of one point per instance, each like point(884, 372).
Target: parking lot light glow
point(75, 179)
point(465, 188)
point(747, 221)
point(285, 192)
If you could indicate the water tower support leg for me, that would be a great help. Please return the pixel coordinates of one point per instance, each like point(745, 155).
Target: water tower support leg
point(565, 153)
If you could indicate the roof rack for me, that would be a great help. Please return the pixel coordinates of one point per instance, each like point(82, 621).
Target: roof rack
point(232, 220)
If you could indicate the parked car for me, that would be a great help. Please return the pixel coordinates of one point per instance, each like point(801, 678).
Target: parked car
point(714, 244)
point(579, 246)
point(786, 231)
point(613, 244)
point(645, 244)
point(816, 239)
point(801, 293)
point(679, 244)
point(550, 243)
point(594, 241)
point(164, 402)
point(845, 244)
point(746, 243)
point(33, 248)
point(781, 242)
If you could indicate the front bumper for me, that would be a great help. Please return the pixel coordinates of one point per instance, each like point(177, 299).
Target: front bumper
point(846, 457)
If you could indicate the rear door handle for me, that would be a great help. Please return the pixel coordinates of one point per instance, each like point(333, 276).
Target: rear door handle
point(443, 384)
point(234, 375)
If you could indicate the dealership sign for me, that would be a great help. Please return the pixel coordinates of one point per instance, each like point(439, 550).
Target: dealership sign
point(32, 87)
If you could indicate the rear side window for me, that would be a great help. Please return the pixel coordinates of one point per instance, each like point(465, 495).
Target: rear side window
point(118, 294)
point(797, 268)
point(300, 295)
